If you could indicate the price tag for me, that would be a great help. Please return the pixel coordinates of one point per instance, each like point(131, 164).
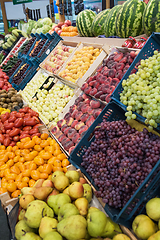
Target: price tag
point(48, 51)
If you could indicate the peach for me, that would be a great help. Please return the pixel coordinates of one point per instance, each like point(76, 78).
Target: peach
point(71, 149)
point(96, 112)
point(90, 120)
point(61, 122)
point(95, 104)
point(84, 117)
point(74, 123)
point(74, 113)
point(78, 125)
point(64, 127)
point(84, 108)
point(55, 130)
point(61, 137)
point(58, 134)
point(65, 140)
point(83, 129)
point(69, 121)
point(67, 115)
point(71, 133)
point(78, 115)
point(75, 137)
point(66, 130)
point(68, 145)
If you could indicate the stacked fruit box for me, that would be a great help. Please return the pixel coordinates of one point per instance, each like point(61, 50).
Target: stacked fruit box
point(58, 56)
point(82, 63)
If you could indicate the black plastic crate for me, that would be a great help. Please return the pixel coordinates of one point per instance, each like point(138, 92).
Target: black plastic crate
point(147, 190)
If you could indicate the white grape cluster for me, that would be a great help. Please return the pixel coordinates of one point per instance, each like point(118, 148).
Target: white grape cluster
point(141, 91)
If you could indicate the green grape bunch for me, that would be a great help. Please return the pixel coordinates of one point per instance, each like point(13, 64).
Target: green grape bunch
point(141, 91)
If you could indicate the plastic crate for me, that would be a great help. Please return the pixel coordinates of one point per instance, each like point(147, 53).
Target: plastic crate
point(152, 44)
point(31, 70)
point(147, 190)
point(22, 63)
point(51, 43)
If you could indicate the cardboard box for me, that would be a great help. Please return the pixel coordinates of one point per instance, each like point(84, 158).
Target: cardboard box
point(61, 43)
point(93, 66)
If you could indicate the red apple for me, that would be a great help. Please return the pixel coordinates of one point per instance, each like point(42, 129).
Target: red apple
point(68, 22)
point(56, 29)
point(59, 32)
point(60, 24)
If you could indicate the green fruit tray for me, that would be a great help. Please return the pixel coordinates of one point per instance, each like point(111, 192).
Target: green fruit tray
point(152, 44)
point(147, 190)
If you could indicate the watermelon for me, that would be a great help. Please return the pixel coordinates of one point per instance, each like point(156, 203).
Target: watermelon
point(129, 19)
point(84, 23)
point(98, 22)
point(110, 26)
point(151, 17)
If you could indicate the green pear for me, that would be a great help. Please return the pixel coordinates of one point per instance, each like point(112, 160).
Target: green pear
point(111, 229)
point(72, 175)
point(30, 236)
point(93, 209)
point(143, 226)
point(47, 225)
point(121, 236)
point(87, 192)
point(66, 191)
point(61, 182)
point(28, 190)
point(76, 190)
point(97, 221)
point(21, 228)
point(42, 193)
point(153, 209)
point(82, 205)
point(56, 174)
point(25, 200)
point(35, 211)
point(155, 236)
point(56, 201)
point(53, 236)
point(21, 214)
point(73, 227)
point(67, 210)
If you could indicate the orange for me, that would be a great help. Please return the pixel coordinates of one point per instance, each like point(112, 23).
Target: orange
point(61, 156)
point(4, 157)
point(4, 184)
point(24, 140)
point(16, 193)
point(38, 148)
point(49, 149)
point(2, 147)
point(51, 160)
point(65, 162)
point(19, 178)
point(11, 187)
point(21, 185)
point(14, 148)
point(33, 166)
point(10, 163)
point(31, 182)
point(2, 190)
point(3, 167)
point(22, 167)
point(2, 152)
point(21, 159)
point(16, 158)
point(44, 136)
point(47, 168)
point(6, 172)
point(11, 176)
point(44, 143)
point(29, 144)
point(2, 163)
point(57, 163)
point(57, 152)
point(43, 175)
point(18, 152)
point(15, 169)
point(9, 149)
point(52, 142)
point(57, 169)
point(35, 175)
point(11, 155)
point(25, 179)
point(65, 169)
point(24, 152)
point(26, 173)
point(45, 155)
point(39, 160)
point(37, 140)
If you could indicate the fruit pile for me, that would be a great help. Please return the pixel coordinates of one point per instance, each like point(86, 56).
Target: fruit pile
point(57, 58)
point(28, 161)
point(38, 48)
point(20, 75)
point(141, 91)
point(17, 125)
point(80, 63)
point(49, 104)
point(146, 228)
point(58, 27)
point(28, 46)
point(108, 75)
point(76, 122)
point(69, 31)
point(10, 69)
point(119, 160)
point(32, 87)
point(59, 208)
point(4, 84)
point(9, 63)
point(10, 99)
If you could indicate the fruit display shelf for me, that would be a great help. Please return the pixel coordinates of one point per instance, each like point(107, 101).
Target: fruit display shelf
point(148, 189)
point(106, 77)
point(82, 66)
point(53, 63)
point(15, 49)
point(77, 116)
point(152, 44)
point(13, 211)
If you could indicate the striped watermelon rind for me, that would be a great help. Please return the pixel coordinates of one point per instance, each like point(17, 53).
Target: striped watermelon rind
point(99, 22)
point(84, 23)
point(151, 17)
point(110, 25)
point(129, 19)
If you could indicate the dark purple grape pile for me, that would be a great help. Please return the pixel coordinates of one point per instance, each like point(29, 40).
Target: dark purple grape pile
point(18, 78)
point(29, 45)
point(119, 159)
point(38, 48)
point(13, 69)
point(44, 49)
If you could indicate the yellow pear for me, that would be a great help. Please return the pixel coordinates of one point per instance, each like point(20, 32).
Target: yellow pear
point(82, 205)
point(25, 200)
